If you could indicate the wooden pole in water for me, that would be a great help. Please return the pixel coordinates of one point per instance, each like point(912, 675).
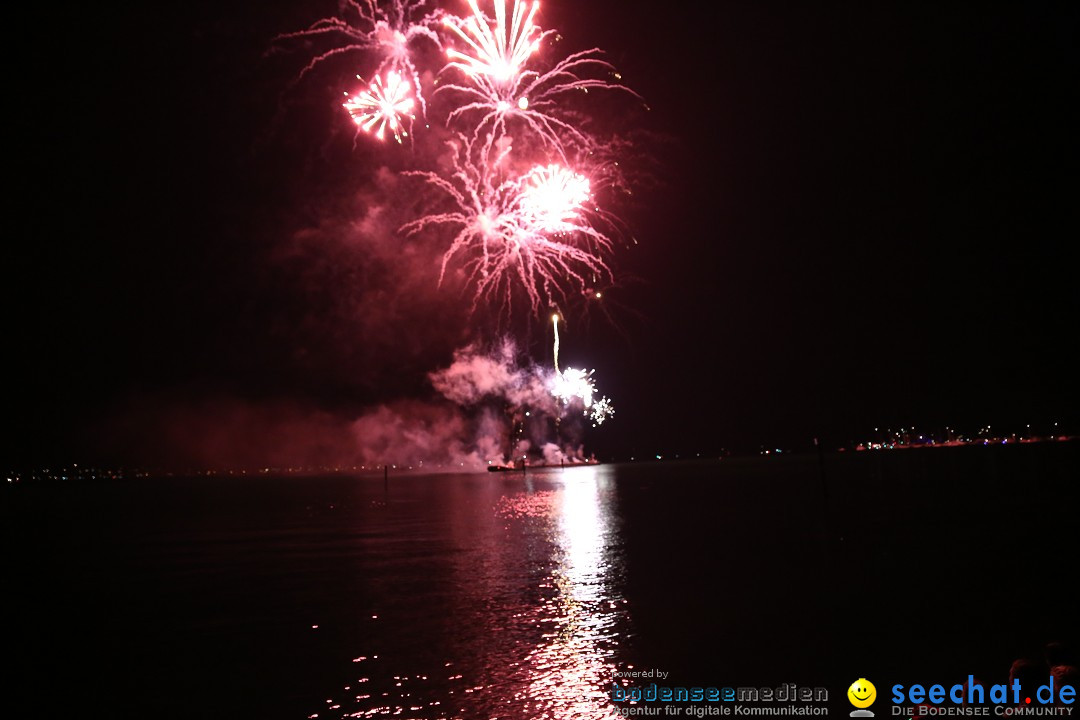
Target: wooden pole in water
point(821, 467)
point(386, 477)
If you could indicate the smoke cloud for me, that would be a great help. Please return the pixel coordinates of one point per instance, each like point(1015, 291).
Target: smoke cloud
point(486, 407)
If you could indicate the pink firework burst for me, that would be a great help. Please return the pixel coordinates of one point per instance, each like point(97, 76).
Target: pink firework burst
point(525, 226)
point(553, 197)
point(529, 233)
point(496, 85)
point(383, 107)
point(499, 51)
point(388, 31)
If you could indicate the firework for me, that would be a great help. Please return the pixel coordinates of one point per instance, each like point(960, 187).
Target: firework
point(516, 194)
point(505, 246)
point(499, 51)
point(496, 86)
point(387, 32)
point(553, 197)
point(601, 410)
point(524, 225)
point(382, 106)
point(555, 350)
point(573, 384)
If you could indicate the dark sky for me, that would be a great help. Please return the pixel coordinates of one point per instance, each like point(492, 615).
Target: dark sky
point(863, 214)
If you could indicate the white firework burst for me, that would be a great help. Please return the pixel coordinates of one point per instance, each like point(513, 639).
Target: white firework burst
point(383, 107)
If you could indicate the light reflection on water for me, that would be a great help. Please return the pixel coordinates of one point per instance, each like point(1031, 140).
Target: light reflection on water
point(571, 668)
point(533, 613)
point(481, 596)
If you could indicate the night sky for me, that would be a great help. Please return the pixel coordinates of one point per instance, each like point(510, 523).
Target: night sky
point(859, 215)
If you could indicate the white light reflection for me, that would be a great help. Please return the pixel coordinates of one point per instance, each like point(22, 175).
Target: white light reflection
point(571, 670)
point(584, 530)
point(527, 620)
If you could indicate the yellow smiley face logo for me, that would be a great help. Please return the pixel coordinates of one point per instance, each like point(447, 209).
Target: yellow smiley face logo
point(862, 693)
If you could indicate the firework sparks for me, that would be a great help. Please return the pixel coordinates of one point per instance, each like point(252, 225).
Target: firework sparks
point(387, 32)
point(573, 384)
point(382, 106)
point(601, 410)
point(499, 52)
point(504, 244)
point(497, 86)
point(553, 197)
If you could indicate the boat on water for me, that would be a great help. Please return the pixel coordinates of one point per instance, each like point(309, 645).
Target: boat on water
point(534, 466)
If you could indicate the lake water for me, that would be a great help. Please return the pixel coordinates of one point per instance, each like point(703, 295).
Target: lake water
point(520, 596)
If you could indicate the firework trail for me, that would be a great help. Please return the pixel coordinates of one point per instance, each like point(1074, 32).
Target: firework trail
point(555, 351)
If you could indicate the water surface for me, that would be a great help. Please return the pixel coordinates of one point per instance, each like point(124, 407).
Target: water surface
point(520, 596)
